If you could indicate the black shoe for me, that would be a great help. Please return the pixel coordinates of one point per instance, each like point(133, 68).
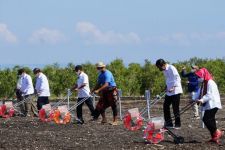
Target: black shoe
point(177, 127)
point(80, 121)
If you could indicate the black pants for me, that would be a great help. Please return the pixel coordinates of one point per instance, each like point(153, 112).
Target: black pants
point(42, 100)
point(79, 108)
point(209, 120)
point(175, 101)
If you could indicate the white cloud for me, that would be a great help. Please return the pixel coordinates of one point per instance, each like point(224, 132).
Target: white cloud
point(94, 35)
point(186, 39)
point(45, 35)
point(6, 34)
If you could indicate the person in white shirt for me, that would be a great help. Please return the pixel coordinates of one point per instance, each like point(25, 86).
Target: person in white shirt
point(41, 88)
point(209, 98)
point(82, 86)
point(27, 91)
point(19, 95)
point(173, 91)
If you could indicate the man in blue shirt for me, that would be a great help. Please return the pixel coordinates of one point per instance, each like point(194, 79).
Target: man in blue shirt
point(106, 89)
point(193, 86)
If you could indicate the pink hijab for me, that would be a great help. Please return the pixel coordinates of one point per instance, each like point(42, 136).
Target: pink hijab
point(204, 73)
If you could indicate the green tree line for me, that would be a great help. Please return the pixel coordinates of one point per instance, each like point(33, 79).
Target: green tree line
point(133, 79)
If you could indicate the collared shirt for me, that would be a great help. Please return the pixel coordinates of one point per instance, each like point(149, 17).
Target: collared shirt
point(84, 91)
point(212, 97)
point(26, 85)
point(42, 85)
point(106, 77)
point(19, 83)
point(172, 80)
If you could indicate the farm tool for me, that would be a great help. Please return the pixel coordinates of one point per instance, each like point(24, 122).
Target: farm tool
point(63, 115)
point(59, 114)
point(154, 131)
point(154, 128)
point(134, 120)
point(49, 113)
point(8, 109)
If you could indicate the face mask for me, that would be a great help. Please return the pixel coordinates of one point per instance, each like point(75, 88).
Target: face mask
point(200, 80)
point(192, 70)
point(99, 71)
point(78, 73)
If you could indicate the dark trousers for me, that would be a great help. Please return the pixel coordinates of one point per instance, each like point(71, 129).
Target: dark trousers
point(209, 120)
point(79, 107)
point(175, 101)
point(42, 100)
point(107, 98)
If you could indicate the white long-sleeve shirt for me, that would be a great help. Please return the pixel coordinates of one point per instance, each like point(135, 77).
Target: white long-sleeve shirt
point(26, 85)
point(42, 85)
point(212, 98)
point(19, 83)
point(172, 80)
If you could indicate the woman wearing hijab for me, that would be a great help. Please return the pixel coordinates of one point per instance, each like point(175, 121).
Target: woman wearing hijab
point(210, 100)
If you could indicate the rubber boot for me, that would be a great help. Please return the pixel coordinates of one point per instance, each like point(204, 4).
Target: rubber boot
point(216, 136)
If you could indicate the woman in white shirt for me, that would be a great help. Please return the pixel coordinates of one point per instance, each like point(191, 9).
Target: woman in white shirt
point(209, 98)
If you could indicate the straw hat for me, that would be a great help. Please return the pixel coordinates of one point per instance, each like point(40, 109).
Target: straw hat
point(100, 65)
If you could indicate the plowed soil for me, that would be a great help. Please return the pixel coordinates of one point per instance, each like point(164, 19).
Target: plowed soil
point(30, 133)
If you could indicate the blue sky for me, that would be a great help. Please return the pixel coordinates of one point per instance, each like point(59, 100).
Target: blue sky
point(63, 31)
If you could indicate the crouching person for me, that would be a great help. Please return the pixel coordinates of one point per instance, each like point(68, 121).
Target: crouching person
point(210, 101)
point(106, 89)
point(27, 91)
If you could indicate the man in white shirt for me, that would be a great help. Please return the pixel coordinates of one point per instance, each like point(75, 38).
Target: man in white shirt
point(41, 88)
point(173, 91)
point(19, 95)
point(82, 86)
point(27, 91)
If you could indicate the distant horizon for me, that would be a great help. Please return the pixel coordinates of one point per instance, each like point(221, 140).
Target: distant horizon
point(4, 66)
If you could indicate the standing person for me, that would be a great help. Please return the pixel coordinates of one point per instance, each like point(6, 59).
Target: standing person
point(106, 88)
point(193, 87)
point(82, 86)
point(173, 91)
point(27, 91)
point(41, 88)
point(210, 101)
point(19, 95)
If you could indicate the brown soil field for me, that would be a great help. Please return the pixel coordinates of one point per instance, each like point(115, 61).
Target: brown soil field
point(30, 133)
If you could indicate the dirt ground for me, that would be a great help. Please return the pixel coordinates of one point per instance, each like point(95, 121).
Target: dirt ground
point(27, 133)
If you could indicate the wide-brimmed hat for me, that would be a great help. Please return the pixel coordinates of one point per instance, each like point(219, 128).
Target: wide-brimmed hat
point(100, 65)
